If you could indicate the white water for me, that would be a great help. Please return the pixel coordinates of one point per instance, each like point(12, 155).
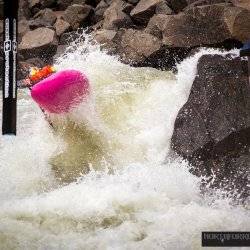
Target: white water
point(135, 196)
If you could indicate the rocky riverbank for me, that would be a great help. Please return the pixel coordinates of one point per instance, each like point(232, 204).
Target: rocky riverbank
point(212, 130)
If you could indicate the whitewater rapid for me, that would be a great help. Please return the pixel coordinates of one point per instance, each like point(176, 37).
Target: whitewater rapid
point(104, 178)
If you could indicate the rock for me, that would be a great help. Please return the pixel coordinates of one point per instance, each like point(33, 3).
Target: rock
point(99, 11)
point(76, 15)
point(81, 2)
point(61, 27)
point(207, 2)
point(177, 5)
point(136, 46)
point(157, 24)
point(133, 1)
point(104, 36)
point(205, 26)
point(212, 130)
point(64, 4)
point(48, 3)
point(238, 23)
point(69, 37)
point(242, 3)
point(144, 10)
point(60, 51)
point(46, 16)
point(115, 16)
point(163, 8)
point(34, 3)
point(23, 10)
point(41, 43)
point(1, 10)
point(23, 27)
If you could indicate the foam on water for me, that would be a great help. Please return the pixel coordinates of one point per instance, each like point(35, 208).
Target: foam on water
point(140, 199)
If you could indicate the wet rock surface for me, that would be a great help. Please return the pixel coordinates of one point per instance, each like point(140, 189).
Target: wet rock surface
point(212, 130)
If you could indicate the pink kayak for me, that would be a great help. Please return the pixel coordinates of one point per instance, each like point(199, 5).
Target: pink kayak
point(61, 91)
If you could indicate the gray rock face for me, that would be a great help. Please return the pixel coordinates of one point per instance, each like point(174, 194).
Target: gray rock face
point(212, 130)
point(40, 43)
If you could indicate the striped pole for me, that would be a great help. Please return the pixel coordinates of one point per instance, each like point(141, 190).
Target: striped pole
point(10, 66)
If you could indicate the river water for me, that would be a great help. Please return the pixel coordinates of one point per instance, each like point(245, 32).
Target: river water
point(103, 178)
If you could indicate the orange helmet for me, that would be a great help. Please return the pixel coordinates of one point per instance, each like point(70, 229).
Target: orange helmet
point(37, 74)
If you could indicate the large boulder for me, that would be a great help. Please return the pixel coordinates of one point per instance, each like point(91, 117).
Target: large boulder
point(242, 3)
point(202, 25)
point(212, 130)
point(238, 23)
point(76, 15)
point(40, 43)
point(44, 18)
point(177, 5)
point(100, 10)
point(61, 26)
point(116, 17)
point(144, 10)
point(136, 46)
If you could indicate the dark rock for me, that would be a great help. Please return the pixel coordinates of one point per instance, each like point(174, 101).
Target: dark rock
point(76, 15)
point(99, 11)
point(61, 27)
point(157, 25)
point(133, 1)
point(69, 37)
point(24, 11)
point(238, 23)
point(115, 16)
point(64, 4)
point(212, 130)
point(144, 10)
point(48, 3)
point(60, 51)
point(177, 5)
point(205, 26)
point(41, 43)
point(1, 9)
point(34, 3)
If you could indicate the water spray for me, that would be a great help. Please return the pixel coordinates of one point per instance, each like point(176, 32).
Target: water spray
point(10, 66)
point(245, 51)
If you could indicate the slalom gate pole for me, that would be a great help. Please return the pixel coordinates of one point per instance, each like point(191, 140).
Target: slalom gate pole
point(10, 65)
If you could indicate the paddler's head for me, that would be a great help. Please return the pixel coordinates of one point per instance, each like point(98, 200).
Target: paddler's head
point(37, 74)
